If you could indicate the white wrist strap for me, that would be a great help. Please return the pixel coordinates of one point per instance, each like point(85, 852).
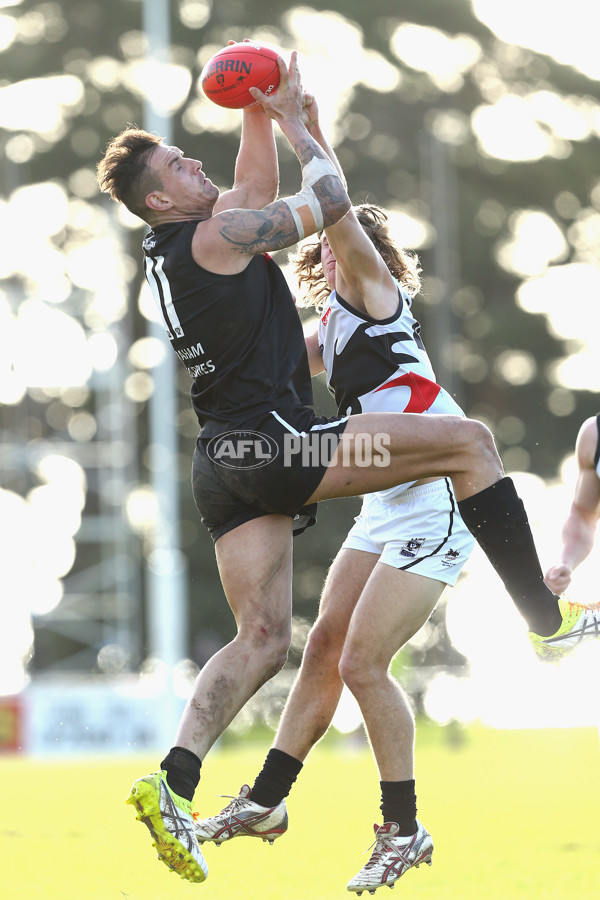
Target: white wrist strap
point(316, 169)
point(304, 206)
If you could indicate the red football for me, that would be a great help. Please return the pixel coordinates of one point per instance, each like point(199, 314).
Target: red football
point(228, 74)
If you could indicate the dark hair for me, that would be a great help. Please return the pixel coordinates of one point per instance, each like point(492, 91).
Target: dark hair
point(124, 172)
point(404, 266)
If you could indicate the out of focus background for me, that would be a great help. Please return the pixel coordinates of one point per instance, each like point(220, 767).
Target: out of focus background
point(477, 125)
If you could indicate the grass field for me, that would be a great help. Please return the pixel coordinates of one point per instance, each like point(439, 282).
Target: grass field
point(514, 816)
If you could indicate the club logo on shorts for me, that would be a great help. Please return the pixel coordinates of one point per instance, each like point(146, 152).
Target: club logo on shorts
point(242, 450)
point(412, 547)
point(451, 558)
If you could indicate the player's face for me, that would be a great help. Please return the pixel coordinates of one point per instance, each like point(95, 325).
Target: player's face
point(183, 181)
point(328, 262)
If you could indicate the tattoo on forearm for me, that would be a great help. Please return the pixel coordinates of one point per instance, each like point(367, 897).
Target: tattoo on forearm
point(306, 148)
point(273, 228)
point(327, 191)
point(258, 230)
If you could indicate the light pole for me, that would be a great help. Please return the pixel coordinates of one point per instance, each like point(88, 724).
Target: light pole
point(167, 601)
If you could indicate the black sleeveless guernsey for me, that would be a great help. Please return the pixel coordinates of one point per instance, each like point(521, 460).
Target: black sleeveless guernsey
point(239, 336)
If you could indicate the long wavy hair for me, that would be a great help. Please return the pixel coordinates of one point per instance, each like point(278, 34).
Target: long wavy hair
point(403, 265)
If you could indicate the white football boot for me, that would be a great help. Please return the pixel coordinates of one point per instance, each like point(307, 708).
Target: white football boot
point(393, 856)
point(242, 817)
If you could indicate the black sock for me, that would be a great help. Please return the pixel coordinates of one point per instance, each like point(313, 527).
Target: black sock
point(399, 804)
point(183, 771)
point(497, 519)
point(275, 780)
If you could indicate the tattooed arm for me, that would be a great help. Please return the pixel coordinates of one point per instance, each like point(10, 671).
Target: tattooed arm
point(227, 241)
point(361, 275)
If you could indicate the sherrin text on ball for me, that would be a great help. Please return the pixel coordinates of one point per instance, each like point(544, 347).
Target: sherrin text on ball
point(228, 74)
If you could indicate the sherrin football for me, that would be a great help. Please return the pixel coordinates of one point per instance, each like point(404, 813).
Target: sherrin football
point(228, 74)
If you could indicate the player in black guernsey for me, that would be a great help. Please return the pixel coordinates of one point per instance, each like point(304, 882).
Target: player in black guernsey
point(243, 350)
point(245, 358)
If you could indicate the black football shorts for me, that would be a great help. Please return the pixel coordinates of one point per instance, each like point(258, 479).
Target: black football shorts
point(274, 467)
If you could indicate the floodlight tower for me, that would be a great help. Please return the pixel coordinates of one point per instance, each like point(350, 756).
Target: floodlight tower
point(167, 602)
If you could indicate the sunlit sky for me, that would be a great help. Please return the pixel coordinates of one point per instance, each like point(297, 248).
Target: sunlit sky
point(533, 247)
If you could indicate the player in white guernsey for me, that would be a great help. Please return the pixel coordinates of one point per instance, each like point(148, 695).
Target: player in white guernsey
point(579, 529)
point(407, 543)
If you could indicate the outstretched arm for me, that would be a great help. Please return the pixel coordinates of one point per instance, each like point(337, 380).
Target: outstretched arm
point(362, 278)
point(256, 178)
point(310, 115)
point(579, 529)
point(226, 242)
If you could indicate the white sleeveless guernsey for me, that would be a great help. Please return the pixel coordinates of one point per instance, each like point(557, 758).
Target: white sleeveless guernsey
point(379, 365)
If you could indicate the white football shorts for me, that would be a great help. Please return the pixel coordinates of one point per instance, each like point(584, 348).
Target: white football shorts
point(420, 530)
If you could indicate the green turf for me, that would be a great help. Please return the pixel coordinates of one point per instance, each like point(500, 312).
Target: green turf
point(514, 815)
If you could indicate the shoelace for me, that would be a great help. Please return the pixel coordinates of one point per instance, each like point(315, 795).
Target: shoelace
point(583, 607)
point(236, 803)
point(381, 846)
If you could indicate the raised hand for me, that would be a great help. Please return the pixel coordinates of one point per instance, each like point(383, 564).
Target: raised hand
point(286, 101)
point(310, 110)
